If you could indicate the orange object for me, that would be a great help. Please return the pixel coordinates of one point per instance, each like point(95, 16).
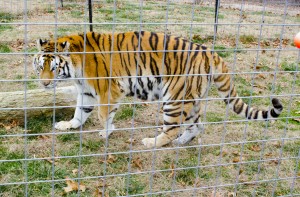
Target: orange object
point(297, 40)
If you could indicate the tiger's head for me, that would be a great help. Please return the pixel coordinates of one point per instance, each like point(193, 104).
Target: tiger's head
point(50, 66)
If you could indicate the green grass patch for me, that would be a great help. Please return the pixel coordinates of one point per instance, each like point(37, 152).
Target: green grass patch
point(76, 13)
point(7, 17)
point(124, 112)
point(214, 117)
point(4, 48)
point(202, 40)
point(286, 66)
point(291, 148)
point(135, 186)
point(246, 39)
point(225, 53)
point(4, 27)
point(93, 144)
point(187, 176)
point(49, 10)
point(32, 84)
point(221, 16)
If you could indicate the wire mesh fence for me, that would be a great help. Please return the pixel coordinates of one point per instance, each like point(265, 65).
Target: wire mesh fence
point(232, 155)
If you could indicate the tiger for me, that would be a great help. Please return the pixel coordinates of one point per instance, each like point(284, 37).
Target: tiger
point(150, 66)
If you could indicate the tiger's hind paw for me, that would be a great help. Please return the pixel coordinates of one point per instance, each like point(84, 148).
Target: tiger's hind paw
point(186, 137)
point(63, 125)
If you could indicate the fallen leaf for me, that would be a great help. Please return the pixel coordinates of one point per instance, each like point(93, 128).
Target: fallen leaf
point(137, 162)
point(13, 124)
point(261, 76)
point(50, 34)
point(171, 175)
point(216, 194)
point(236, 153)
point(255, 148)
point(236, 159)
point(75, 171)
point(268, 154)
point(131, 141)
point(274, 162)
point(296, 119)
point(7, 127)
point(43, 137)
point(277, 144)
point(73, 186)
point(182, 183)
point(197, 182)
point(99, 193)
point(103, 183)
point(241, 171)
point(52, 161)
point(231, 194)
point(111, 159)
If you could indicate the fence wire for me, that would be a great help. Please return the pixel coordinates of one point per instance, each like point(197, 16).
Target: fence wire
point(232, 156)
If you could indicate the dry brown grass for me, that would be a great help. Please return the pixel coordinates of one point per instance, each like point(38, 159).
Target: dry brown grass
point(174, 169)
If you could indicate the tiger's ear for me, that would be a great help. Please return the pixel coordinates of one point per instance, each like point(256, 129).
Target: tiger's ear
point(64, 46)
point(40, 43)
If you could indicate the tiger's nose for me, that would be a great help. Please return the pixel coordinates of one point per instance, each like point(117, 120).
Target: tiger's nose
point(46, 83)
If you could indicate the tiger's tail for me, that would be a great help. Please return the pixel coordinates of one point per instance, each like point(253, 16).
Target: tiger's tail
point(227, 91)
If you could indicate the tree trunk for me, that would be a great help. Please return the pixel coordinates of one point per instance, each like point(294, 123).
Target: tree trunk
point(38, 102)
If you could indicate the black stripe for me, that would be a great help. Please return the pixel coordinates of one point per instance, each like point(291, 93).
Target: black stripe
point(250, 115)
point(246, 112)
point(265, 114)
point(170, 110)
point(88, 94)
point(225, 84)
point(169, 129)
point(176, 114)
point(153, 43)
point(170, 123)
point(274, 114)
point(114, 110)
point(256, 114)
point(87, 109)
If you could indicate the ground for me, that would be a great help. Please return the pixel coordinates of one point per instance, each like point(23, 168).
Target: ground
point(232, 155)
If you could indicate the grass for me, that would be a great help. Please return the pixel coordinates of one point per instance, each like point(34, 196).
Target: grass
point(286, 66)
point(5, 27)
point(5, 48)
point(224, 53)
point(76, 14)
point(7, 16)
point(125, 112)
point(247, 39)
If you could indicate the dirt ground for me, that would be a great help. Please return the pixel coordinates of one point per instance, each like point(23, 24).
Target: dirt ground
point(232, 156)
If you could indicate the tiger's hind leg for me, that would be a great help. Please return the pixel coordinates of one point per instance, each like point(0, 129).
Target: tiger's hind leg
point(106, 113)
point(192, 130)
point(174, 114)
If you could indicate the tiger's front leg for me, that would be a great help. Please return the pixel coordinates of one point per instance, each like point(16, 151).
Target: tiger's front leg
point(84, 107)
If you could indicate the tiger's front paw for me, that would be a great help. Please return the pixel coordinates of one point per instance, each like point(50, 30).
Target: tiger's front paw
point(63, 125)
point(149, 142)
point(105, 133)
